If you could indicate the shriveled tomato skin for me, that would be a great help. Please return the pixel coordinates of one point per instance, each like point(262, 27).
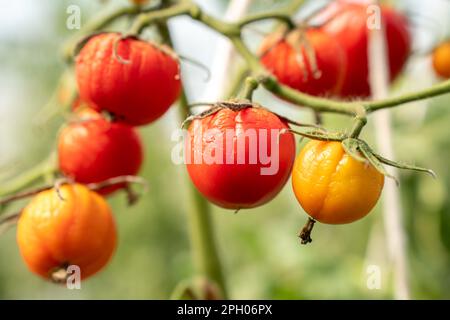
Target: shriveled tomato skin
point(77, 229)
point(93, 150)
point(347, 23)
point(331, 186)
point(232, 185)
point(138, 85)
point(294, 67)
point(441, 60)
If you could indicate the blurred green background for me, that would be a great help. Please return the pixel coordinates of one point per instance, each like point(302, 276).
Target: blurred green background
point(259, 248)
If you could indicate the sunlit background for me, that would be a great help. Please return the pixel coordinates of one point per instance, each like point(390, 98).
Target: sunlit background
point(262, 256)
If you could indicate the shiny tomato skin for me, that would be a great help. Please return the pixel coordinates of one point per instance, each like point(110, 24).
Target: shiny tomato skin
point(92, 150)
point(347, 23)
point(234, 185)
point(331, 186)
point(294, 68)
point(137, 86)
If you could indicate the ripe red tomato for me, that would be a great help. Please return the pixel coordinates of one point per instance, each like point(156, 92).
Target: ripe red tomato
point(235, 140)
point(137, 90)
point(290, 62)
point(94, 150)
point(348, 25)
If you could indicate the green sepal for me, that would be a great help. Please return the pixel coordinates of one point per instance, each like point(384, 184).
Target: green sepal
point(351, 147)
point(368, 153)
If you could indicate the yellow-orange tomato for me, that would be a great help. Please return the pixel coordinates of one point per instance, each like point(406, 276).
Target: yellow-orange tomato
point(331, 186)
point(441, 59)
point(73, 228)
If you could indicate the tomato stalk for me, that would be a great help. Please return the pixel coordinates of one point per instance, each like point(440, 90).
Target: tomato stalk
point(205, 253)
point(305, 233)
point(101, 22)
point(201, 232)
point(250, 86)
point(359, 122)
point(92, 186)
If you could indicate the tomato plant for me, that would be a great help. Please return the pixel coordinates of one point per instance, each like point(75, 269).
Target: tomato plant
point(72, 226)
point(250, 134)
point(136, 81)
point(238, 154)
point(92, 149)
point(331, 186)
point(347, 24)
point(310, 61)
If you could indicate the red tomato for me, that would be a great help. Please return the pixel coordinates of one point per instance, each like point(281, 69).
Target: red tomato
point(235, 178)
point(94, 150)
point(289, 61)
point(348, 25)
point(137, 90)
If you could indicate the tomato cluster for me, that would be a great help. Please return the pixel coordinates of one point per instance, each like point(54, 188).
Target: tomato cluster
point(238, 155)
point(332, 59)
point(122, 83)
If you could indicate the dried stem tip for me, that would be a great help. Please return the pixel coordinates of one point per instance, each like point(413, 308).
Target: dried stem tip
point(59, 275)
point(305, 233)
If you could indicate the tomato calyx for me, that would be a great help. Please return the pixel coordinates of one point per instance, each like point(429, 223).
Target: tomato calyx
point(359, 150)
point(128, 36)
point(305, 233)
point(216, 107)
point(237, 105)
point(83, 41)
point(302, 47)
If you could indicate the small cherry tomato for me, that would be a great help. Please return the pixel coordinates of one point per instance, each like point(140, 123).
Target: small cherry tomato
point(309, 61)
point(74, 227)
point(239, 158)
point(347, 22)
point(92, 149)
point(134, 80)
point(441, 60)
point(331, 186)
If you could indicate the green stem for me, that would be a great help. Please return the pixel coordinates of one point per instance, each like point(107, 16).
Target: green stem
point(203, 242)
point(145, 19)
point(236, 83)
point(97, 24)
point(436, 90)
point(250, 86)
point(282, 15)
point(302, 99)
point(359, 122)
point(30, 177)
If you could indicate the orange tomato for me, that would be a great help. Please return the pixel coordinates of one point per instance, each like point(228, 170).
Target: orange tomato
point(331, 186)
point(441, 60)
point(77, 229)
